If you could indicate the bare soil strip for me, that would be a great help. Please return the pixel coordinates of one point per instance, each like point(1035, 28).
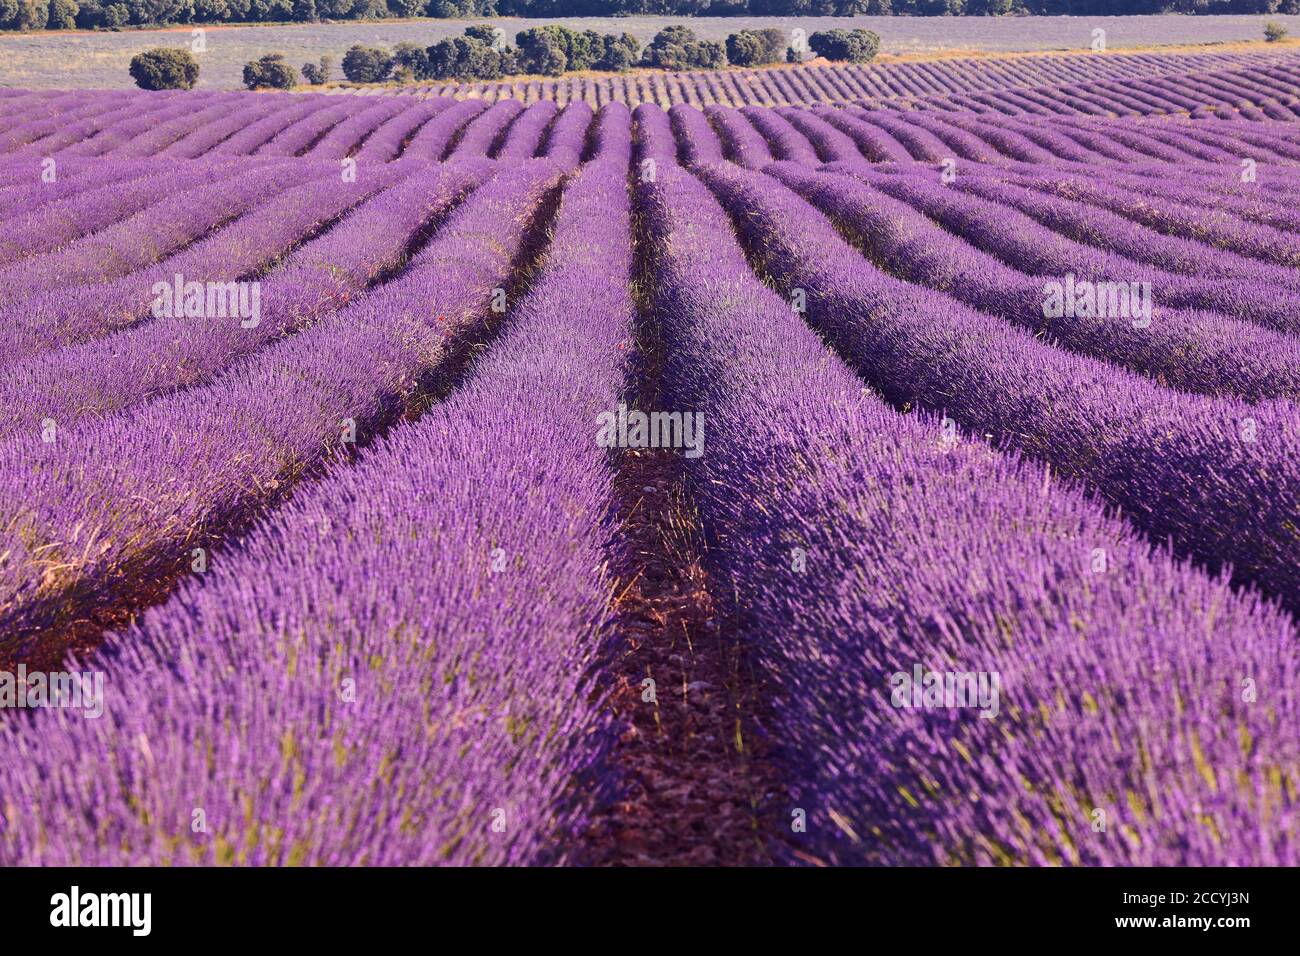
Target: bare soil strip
point(698, 781)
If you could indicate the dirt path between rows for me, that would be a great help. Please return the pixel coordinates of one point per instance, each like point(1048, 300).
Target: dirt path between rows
point(699, 784)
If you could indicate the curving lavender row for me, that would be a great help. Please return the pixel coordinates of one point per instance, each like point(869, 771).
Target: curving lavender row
point(741, 142)
point(71, 178)
point(1263, 200)
point(860, 543)
point(349, 136)
point(523, 139)
point(286, 113)
point(167, 354)
point(112, 136)
point(102, 507)
point(164, 136)
point(1180, 219)
point(565, 140)
point(50, 215)
point(160, 229)
point(1022, 242)
point(238, 251)
point(483, 135)
point(697, 141)
point(876, 143)
point(434, 138)
point(1220, 478)
point(304, 135)
point(213, 135)
point(831, 144)
point(447, 717)
point(1193, 351)
point(89, 134)
point(1114, 233)
point(76, 117)
point(247, 237)
point(390, 139)
point(785, 141)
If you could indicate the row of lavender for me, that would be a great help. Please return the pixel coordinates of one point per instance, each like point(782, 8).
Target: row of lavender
point(1217, 259)
point(1218, 318)
point(442, 717)
point(1251, 87)
point(830, 84)
point(1251, 361)
point(1259, 89)
point(754, 136)
point(1258, 92)
point(135, 137)
point(225, 126)
point(860, 543)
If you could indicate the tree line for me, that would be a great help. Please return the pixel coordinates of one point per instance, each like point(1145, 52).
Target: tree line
point(90, 14)
point(552, 50)
point(481, 53)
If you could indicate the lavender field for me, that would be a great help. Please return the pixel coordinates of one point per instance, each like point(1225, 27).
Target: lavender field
point(889, 466)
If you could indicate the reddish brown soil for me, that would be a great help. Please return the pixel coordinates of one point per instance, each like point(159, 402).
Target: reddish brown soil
point(697, 777)
point(696, 774)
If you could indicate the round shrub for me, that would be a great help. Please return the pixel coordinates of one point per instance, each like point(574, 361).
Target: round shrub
point(163, 68)
point(854, 46)
point(63, 14)
point(366, 64)
point(744, 49)
point(271, 72)
point(755, 47)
